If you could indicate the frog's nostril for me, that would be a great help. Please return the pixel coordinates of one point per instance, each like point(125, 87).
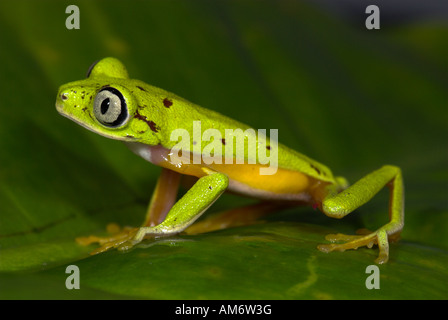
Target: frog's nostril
point(64, 96)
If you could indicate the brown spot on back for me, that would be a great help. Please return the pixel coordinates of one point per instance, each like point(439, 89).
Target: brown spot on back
point(315, 169)
point(143, 89)
point(152, 125)
point(223, 141)
point(268, 147)
point(167, 102)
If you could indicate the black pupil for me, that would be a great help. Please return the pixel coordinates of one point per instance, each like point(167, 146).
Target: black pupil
point(105, 105)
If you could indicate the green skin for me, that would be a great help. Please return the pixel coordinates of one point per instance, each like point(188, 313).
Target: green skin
point(149, 118)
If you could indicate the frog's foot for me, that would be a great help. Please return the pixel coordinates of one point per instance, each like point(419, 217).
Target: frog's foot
point(366, 238)
point(122, 239)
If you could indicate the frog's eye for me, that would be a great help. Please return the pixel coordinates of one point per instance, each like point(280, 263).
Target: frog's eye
point(110, 108)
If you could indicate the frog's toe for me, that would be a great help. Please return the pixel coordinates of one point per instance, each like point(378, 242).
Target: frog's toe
point(341, 237)
point(356, 241)
point(353, 242)
point(383, 257)
point(121, 239)
point(85, 241)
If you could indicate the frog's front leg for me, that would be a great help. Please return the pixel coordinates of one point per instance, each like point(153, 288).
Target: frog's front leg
point(175, 218)
point(162, 200)
point(338, 205)
point(189, 208)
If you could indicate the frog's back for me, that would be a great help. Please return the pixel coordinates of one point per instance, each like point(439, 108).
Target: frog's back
point(183, 114)
point(288, 158)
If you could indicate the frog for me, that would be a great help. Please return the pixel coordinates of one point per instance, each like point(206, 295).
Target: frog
point(144, 117)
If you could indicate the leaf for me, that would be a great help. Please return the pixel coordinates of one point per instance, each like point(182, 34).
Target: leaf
point(351, 98)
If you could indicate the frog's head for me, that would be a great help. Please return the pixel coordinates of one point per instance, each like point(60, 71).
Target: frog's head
point(104, 102)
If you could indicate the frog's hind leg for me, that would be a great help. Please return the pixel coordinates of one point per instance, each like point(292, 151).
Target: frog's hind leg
point(163, 198)
point(236, 217)
point(338, 205)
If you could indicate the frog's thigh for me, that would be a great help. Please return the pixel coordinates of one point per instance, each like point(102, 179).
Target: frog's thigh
point(190, 207)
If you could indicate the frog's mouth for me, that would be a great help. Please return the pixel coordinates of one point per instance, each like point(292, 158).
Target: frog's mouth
point(60, 109)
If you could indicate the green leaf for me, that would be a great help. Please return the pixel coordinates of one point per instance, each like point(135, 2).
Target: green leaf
point(351, 98)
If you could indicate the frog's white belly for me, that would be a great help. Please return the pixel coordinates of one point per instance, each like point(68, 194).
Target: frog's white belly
point(244, 189)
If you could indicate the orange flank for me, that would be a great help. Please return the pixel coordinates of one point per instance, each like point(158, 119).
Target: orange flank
point(246, 178)
point(282, 182)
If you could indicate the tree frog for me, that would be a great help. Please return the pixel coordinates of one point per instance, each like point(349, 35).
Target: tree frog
point(144, 117)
